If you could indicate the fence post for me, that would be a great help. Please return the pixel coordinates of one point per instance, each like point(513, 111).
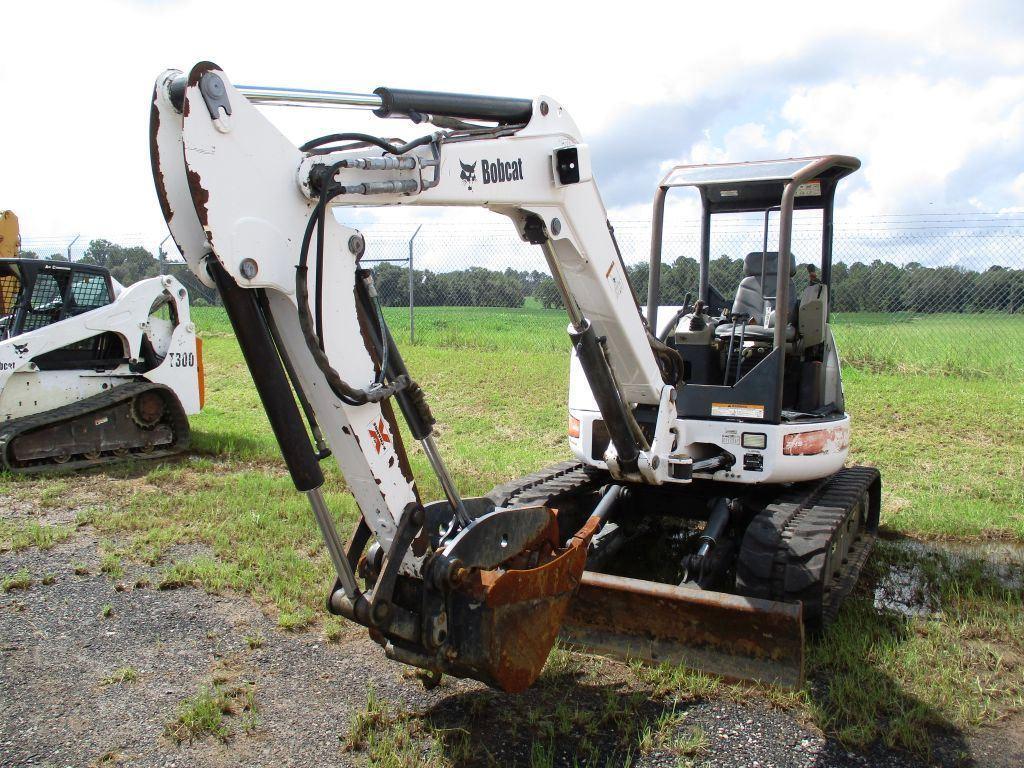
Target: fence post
point(412, 282)
point(161, 255)
point(70, 244)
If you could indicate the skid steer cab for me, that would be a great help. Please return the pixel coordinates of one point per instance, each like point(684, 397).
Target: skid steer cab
point(706, 517)
point(92, 372)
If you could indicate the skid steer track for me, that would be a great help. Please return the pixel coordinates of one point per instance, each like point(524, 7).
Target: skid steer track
point(137, 420)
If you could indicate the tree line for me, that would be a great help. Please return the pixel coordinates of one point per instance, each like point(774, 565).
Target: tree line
point(878, 286)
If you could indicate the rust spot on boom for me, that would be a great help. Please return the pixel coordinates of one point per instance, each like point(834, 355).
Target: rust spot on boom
point(154, 156)
point(200, 197)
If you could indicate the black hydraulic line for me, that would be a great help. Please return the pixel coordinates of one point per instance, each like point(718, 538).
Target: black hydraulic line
point(622, 265)
point(411, 400)
point(345, 392)
point(319, 145)
point(321, 214)
point(269, 376)
point(616, 414)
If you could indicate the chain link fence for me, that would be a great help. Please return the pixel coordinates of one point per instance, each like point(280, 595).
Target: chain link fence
point(931, 294)
point(928, 295)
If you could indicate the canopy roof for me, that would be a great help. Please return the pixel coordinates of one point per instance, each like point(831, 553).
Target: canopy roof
point(757, 185)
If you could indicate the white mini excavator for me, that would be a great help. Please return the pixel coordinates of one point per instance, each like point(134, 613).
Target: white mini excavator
point(707, 517)
point(91, 372)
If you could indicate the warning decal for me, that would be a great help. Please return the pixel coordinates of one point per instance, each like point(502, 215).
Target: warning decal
point(737, 410)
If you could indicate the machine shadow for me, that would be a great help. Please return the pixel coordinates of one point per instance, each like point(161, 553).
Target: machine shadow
point(854, 694)
point(564, 719)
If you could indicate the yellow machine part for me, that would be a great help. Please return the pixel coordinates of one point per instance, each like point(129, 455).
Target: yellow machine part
point(10, 236)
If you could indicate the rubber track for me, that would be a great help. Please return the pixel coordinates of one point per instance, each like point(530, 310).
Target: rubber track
point(11, 430)
point(785, 548)
point(549, 485)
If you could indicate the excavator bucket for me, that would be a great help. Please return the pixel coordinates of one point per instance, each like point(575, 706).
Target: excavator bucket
point(733, 637)
point(509, 618)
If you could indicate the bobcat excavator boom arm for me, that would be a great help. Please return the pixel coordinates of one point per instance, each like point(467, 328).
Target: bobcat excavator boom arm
point(455, 585)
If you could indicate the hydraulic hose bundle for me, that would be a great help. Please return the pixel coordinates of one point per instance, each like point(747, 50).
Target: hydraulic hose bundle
point(392, 377)
point(323, 183)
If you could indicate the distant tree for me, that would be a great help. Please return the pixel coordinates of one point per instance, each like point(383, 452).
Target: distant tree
point(28, 255)
point(548, 295)
point(126, 265)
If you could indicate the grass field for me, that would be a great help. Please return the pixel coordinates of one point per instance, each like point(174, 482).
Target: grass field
point(950, 448)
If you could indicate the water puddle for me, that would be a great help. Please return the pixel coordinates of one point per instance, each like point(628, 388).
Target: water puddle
point(907, 586)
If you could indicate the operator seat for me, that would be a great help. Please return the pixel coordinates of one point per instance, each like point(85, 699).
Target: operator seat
point(750, 299)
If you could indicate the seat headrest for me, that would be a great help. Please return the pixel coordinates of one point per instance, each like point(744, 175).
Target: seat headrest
point(752, 264)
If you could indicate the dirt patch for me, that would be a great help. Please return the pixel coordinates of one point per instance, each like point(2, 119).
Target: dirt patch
point(1000, 746)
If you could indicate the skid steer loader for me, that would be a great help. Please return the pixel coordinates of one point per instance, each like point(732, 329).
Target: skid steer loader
point(707, 517)
point(91, 372)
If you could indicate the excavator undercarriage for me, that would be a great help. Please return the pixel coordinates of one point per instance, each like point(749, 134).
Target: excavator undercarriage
point(784, 572)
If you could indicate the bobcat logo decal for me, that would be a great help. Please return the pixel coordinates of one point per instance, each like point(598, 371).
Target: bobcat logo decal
point(21, 349)
point(468, 174)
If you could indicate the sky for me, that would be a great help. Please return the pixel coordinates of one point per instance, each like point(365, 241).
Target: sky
point(930, 96)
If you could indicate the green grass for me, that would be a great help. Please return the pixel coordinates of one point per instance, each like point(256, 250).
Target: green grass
point(950, 451)
point(949, 446)
point(981, 345)
point(19, 580)
point(16, 535)
point(978, 345)
point(120, 675)
point(207, 712)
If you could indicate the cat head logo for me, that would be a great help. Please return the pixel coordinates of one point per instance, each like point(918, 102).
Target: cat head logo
point(468, 174)
point(21, 349)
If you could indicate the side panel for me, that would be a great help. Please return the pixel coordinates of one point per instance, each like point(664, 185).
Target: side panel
point(701, 439)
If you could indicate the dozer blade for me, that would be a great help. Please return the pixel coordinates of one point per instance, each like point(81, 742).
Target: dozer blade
point(737, 638)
